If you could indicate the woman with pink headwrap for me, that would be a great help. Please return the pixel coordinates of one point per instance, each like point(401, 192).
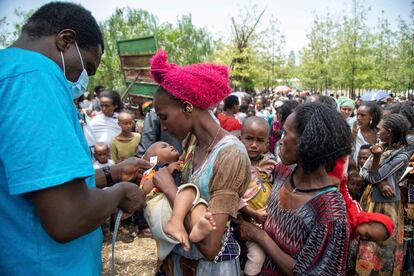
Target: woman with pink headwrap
point(214, 160)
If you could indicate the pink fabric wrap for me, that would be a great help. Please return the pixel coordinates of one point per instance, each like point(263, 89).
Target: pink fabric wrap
point(356, 215)
point(203, 85)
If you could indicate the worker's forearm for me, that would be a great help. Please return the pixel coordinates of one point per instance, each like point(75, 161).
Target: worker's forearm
point(116, 173)
point(71, 210)
point(100, 204)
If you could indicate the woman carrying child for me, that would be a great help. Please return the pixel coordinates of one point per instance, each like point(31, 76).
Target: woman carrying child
point(213, 160)
point(383, 170)
point(306, 231)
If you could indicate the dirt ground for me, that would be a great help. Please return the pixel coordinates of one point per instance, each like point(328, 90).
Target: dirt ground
point(134, 255)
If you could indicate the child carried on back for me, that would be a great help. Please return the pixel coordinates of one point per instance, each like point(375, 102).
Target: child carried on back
point(166, 223)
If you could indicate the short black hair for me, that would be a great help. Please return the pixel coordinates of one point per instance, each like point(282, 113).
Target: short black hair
point(324, 136)
point(244, 107)
point(366, 146)
point(98, 88)
point(404, 109)
point(115, 97)
point(52, 18)
point(375, 111)
point(230, 101)
point(399, 127)
point(256, 120)
point(285, 109)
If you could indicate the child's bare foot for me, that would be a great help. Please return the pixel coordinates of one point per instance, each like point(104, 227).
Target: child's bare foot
point(203, 227)
point(176, 230)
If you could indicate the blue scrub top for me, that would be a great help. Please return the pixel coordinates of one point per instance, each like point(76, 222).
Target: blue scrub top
point(41, 146)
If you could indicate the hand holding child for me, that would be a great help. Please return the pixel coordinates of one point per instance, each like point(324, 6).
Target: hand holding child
point(268, 165)
point(163, 179)
point(248, 231)
point(175, 166)
point(260, 216)
point(386, 190)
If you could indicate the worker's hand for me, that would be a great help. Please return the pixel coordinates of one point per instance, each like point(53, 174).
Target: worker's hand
point(133, 197)
point(133, 168)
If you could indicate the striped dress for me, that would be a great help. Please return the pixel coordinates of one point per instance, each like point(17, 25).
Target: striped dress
point(316, 235)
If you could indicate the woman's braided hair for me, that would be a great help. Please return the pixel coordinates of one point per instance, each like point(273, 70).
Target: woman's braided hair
point(399, 127)
point(324, 136)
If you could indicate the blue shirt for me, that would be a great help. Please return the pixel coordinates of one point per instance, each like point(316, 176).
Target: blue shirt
point(41, 146)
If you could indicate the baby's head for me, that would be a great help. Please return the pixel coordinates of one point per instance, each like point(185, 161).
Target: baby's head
point(165, 153)
point(255, 136)
point(374, 227)
point(101, 153)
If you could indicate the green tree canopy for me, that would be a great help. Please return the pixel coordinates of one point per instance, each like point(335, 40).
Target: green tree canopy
point(184, 42)
point(342, 54)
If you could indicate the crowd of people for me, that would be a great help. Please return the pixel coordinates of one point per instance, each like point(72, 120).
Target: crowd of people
point(260, 184)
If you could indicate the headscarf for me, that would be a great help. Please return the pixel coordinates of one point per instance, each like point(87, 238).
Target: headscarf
point(344, 101)
point(355, 214)
point(366, 217)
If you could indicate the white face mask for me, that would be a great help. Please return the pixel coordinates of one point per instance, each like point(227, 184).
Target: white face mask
point(79, 87)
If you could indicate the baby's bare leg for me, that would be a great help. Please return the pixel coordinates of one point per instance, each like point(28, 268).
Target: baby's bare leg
point(182, 205)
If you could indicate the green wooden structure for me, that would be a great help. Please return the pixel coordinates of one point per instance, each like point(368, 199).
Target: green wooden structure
point(135, 55)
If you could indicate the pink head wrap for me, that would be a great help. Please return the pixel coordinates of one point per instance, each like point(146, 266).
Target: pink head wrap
point(365, 217)
point(355, 214)
point(203, 85)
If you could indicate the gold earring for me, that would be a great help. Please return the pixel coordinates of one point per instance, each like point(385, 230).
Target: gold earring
point(188, 107)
